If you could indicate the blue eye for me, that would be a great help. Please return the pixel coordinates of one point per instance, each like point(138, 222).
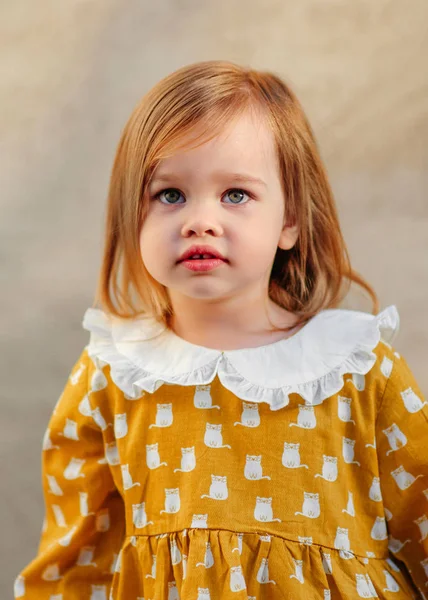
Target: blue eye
point(174, 190)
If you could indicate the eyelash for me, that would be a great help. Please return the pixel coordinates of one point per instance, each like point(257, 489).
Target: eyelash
point(156, 196)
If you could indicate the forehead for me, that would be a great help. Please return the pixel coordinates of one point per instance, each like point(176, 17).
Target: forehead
point(246, 145)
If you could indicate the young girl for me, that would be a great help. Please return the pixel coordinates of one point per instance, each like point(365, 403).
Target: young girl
point(229, 432)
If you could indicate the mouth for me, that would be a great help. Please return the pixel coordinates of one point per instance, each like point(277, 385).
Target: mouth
point(198, 258)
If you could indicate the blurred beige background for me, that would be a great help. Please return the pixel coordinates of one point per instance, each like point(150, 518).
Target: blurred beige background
point(71, 74)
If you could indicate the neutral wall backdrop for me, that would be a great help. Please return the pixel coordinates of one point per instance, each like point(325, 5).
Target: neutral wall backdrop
point(72, 73)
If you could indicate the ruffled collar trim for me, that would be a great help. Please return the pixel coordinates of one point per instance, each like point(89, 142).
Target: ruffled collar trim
point(143, 355)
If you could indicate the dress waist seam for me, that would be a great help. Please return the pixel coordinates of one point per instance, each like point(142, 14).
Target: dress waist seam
point(129, 536)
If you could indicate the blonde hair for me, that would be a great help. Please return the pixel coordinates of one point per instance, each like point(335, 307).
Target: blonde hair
point(313, 275)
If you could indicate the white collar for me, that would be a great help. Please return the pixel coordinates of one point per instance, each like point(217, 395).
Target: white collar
point(143, 355)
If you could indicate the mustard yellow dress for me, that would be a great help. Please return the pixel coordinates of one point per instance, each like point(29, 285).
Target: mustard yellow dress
point(293, 470)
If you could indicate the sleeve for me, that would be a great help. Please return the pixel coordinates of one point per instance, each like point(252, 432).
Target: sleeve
point(402, 447)
point(84, 523)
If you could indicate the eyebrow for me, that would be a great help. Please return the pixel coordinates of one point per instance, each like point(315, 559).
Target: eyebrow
point(237, 177)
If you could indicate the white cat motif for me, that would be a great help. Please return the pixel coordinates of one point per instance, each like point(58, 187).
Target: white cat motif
point(213, 437)
point(364, 586)
point(152, 457)
point(250, 416)
point(164, 416)
point(305, 541)
point(396, 438)
point(120, 425)
point(375, 492)
point(263, 572)
point(306, 417)
point(54, 487)
point(218, 488)
point(86, 556)
point(348, 451)
point(85, 407)
point(329, 468)
point(175, 553)
point(341, 541)
point(422, 523)
point(203, 594)
point(173, 591)
point(51, 573)
point(172, 500)
point(152, 574)
point(72, 470)
point(237, 581)
point(70, 430)
point(99, 419)
point(379, 530)
point(188, 460)
point(199, 521)
point(395, 545)
point(139, 516)
point(253, 468)
point(47, 442)
point(298, 570)
point(127, 479)
point(66, 539)
point(424, 565)
point(350, 510)
point(386, 366)
point(202, 397)
point(208, 558)
point(402, 478)
point(411, 400)
point(344, 409)
point(263, 510)
point(326, 563)
point(98, 380)
point(391, 584)
point(311, 506)
point(111, 455)
point(291, 456)
point(59, 515)
point(358, 380)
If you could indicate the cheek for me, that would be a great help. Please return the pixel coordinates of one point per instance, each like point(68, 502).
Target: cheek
point(155, 251)
point(260, 242)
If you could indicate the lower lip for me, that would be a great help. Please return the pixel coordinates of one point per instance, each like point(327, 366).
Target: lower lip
point(204, 264)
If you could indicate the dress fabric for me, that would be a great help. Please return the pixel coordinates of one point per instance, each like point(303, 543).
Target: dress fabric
point(293, 470)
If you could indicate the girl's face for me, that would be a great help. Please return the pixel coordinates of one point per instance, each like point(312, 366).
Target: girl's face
point(196, 198)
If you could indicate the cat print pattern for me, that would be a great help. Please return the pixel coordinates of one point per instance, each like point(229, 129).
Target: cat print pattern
point(192, 486)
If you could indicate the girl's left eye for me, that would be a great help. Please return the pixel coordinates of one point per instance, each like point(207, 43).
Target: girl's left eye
point(232, 191)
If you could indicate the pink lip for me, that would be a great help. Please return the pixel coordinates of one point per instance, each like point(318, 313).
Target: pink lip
point(200, 249)
point(204, 264)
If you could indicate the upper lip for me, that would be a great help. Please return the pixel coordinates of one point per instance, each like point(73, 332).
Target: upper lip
point(200, 250)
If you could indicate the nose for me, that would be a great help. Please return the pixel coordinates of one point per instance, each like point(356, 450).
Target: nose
point(201, 219)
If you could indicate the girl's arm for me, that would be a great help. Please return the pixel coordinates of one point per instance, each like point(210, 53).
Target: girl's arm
point(402, 446)
point(84, 515)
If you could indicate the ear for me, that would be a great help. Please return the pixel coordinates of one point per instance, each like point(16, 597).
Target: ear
point(288, 237)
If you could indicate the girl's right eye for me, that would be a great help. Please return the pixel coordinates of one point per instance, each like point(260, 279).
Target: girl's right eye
point(167, 191)
point(174, 190)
